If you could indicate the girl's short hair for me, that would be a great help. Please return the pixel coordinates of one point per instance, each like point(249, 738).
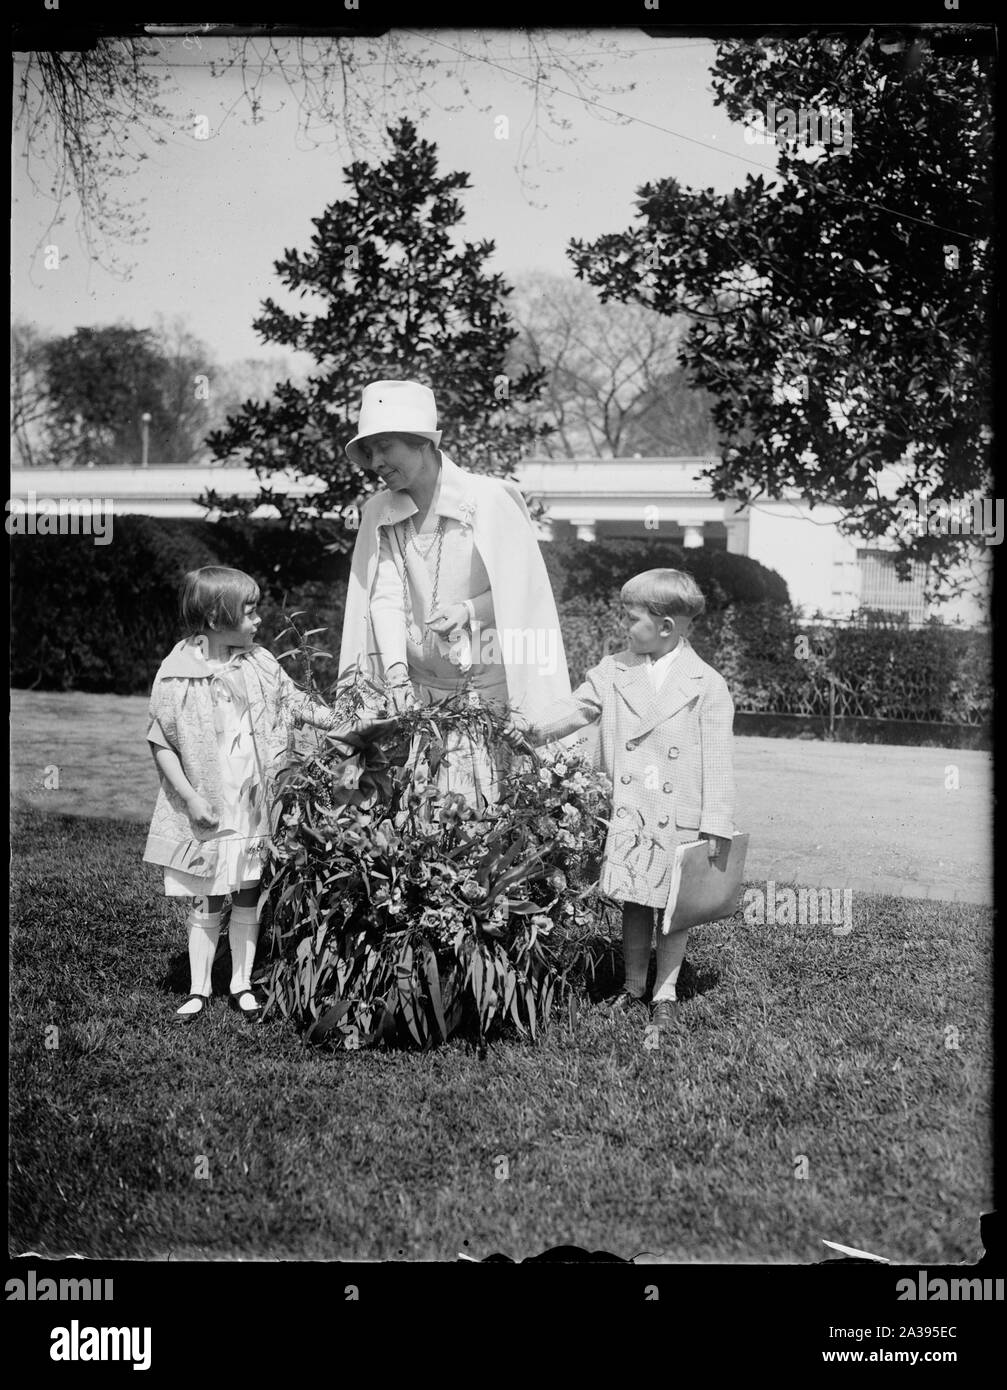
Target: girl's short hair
point(665, 593)
point(215, 596)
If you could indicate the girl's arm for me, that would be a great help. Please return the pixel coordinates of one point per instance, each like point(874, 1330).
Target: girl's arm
point(302, 707)
point(170, 766)
point(319, 716)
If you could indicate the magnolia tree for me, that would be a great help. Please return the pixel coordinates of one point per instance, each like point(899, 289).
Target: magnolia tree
point(841, 309)
point(399, 296)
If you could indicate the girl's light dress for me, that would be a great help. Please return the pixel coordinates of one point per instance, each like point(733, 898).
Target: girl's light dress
point(239, 843)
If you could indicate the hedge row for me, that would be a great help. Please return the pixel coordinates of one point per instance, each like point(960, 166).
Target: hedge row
point(774, 664)
point(100, 618)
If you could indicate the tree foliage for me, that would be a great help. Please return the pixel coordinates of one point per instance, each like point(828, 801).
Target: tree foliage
point(613, 386)
point(79, 399)
point(400, 297)
point(85, 115)
point(100, 382)
point(30, 410)
point(841, 311)
point(82, 117)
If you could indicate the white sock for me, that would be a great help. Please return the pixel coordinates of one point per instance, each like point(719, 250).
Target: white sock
point(244, 934)
point(204, 929)
point(670, 955)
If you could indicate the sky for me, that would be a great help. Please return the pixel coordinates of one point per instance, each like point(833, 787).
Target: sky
point(222, 209)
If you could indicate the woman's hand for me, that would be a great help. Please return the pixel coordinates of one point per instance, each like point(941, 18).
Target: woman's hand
point(447, 618)
point(400, 687)
point(402, 696)
point(201, 813)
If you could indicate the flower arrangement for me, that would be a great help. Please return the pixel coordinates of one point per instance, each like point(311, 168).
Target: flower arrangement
point(400, 907)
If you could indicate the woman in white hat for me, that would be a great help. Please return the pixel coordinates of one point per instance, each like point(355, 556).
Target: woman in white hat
point(447, 586)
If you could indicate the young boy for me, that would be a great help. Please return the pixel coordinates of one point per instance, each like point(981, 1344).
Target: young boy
point(665, 739)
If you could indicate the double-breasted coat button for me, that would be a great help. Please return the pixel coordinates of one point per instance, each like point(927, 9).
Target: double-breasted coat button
point(621, 811)
point(667, 787)
point(662, 821)
point(672, 752)
point(625, 779)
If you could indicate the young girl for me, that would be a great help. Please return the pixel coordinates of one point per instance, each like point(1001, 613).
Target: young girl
point(221, 709)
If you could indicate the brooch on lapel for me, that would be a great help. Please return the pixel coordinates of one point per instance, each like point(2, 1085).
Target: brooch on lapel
point(467, 509)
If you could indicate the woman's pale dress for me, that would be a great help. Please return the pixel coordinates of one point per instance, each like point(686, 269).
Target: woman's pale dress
point(438, 667)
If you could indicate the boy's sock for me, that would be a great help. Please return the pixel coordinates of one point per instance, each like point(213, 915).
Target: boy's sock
point(670, 955)
point(243, 933)
point(637, 931)
point(204, 929)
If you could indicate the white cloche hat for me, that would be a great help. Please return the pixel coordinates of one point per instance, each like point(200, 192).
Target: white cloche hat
point(394, 407)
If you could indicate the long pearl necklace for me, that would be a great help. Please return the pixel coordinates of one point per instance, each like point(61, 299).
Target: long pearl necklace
point(413, 631)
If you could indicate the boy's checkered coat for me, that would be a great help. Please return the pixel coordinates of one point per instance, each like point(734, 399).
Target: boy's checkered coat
point(669, 755)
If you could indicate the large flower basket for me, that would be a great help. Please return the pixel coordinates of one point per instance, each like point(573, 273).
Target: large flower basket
point(403, 910)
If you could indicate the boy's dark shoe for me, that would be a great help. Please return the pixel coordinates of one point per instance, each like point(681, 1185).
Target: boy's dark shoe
point(621, 1004)
point(664, 1013)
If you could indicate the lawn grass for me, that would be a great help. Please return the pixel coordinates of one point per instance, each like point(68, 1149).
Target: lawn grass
point(793, 1042)
point(832, 813)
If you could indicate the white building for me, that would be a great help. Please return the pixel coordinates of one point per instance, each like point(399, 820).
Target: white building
point(827, 573)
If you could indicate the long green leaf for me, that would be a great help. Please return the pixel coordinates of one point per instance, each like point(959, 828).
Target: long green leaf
point(489, 1007)
point(327, 1021)
point(476, 977)
point(406, 987)
point(434, 985)
point(546, 999)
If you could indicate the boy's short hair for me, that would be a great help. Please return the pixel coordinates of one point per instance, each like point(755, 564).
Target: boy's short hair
point(665, 593)
point(215, 596)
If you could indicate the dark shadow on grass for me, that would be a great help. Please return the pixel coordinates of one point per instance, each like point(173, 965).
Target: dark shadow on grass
point(176, 978)
point(693, 982)
point(609, 974)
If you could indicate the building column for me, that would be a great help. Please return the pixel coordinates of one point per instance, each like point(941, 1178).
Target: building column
point(586, 530)
point(546, 529)
point(693, 538)
point(737, 535)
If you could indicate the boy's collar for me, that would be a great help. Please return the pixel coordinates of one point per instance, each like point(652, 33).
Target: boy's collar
point(688, 663)
point(676, 650)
